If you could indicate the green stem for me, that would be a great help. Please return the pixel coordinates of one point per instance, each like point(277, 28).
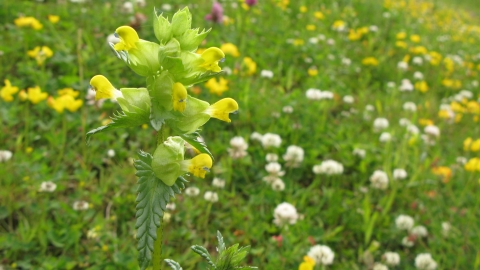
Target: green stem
point(157, 245)
point(64, 142)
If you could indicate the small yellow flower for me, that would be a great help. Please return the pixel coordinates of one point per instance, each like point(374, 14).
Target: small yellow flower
point(415, 38)
point(298, 42)
point(211, 57)
point(435, 58)
point(64, 102)
point(473, 165)
point(179, 97)
point(222, 108)
point(217, 87)
point(307, 264)
point(40, 54)
point(401, 35)
point(319, 15)
point(466, 144)
point(421, 86)
point(23, 95)
point(303, 9)
point(444, 172)
point(338, 25)
point(29, 150)
point(7, 92)
point(401, 44)
point(68, 91)
point(313, 71)
point(311, 27)
point(198, 166)
point(28, 22)
point(230, 49)
point(103, 88)
point(53, 18)
point(475, 147)
point(370, 61)
point(128, 37)
point(425, 122)
point(251, 65)
point(419, 50)
point(35, 95)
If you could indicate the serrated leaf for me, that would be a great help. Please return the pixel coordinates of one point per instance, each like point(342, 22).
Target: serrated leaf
point(221, 242)
point(173, 264)
point(204, 253)
point(193, 140)
point(153, 196)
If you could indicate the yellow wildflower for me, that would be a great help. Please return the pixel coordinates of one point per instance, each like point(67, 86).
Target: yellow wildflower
point(53, 18)
point(418, 50)
point(198, 166)
point(251, 65)
point(435, 58)
point(7, 92)
point(450, 83)
point(457, 107)
point(313, 71)
point(103, 88)
point(401, 44)
point(421, 86)
point(473, 165)
point(370, 61)
point(23, 95)
point(425, 122)
point(28, 22)
point(230, 49)
point(211, 57)
point(303, 9)
point(311, 27)
point(319, 15)
point(339, 25)
point(222, 108)
point(444, 172)
point(354, 35)
point(415, 38)
point(473, 107)
point(298, 42)
point(128, 38)
point(68, 91)
point(445, 114)
point(40, 54)
point(467, 143)
point(307, 264)
point(217, 87)
point(179, 97)
point(35, 95)
point(64, 102)
point(475, 147)
point(401, 35)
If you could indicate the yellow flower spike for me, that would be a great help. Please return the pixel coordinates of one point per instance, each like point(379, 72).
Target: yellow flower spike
point(128, 37)
point(103, 88)
point(222, 108)
point(211, 57)
point(179, 97)
point(35, 95)
point(198, 166)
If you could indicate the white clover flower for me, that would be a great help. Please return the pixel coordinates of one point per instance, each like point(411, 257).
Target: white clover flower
point(386, 15)
point(287, 109)
point(369, 108)
point(404, 122)
point(112, 39)
point(321, 254)
point(410, 106)
point(92, 233)
point(466, 94)
point(419, 231)
point(379, 180)
point(417, 60)
point(348, 99)
point(256, 136)
point(329, 167)
point(418, 75)
point(266, 74)
point(271, 140)
point(373, 28)
point(391, 84)
point(239, 148)
point(166, 7)
point(276, 114)
point(399, 174)
point(5, 155)
point(402, 65)
point(278, 184)
point(294, 156)
point(446, 227)
point(285, 214)
point(346, 61)
point(111, 153)
point(271, 157)
point(47, 186)
point(475, 83)
point(313, 40)
point(379, 266)
point(432, 131)
point(361, 153)
point(321, 37)
point(127, 7)
point(326, 95)
point(313, 94)
point(171, 206)
point(391, 258)
point(385, 137)
point(461, 160)
point(404, 222)
point(80, 205)
point(406, 86)
point(219, 183)
point(424, 261)
point(330, 42)
point(274, 169)
point(407, 242)
point(331, 57)
point(380, 124)
point(192, 191)
point(211, 196)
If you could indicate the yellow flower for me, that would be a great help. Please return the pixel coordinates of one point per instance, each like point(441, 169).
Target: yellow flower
point(64, 102)
point(354, 35)
point(370, 61)
point(128, 37)
point(68, 91)
point(53, 18)
point(222, 108)
point(418, 50)
point(475, 147)
point(445, 114)
point(311, 27)
point(217, 87)
point(444, 172)
point(298, 42)
point(339, 25)
point(473, 165)
point(303, 9)
point(230, 49)
point(473, 107)
point(198, 166)
point(312, 71)
point(35, 95)
point(425, 122)
point(435, 58)
point(307, 264)
point(415, 38)
point(401, 35)
point(319, 15)
point(421, 86)
point(466, 144)
point(40, 54)
point(179, 97)
point(8, 91)
point(28, 22)
point(401, 44)
point(103, 88)
point(251, 65)
point(211, 57)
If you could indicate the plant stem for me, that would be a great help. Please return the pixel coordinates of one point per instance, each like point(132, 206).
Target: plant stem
point(157, 245)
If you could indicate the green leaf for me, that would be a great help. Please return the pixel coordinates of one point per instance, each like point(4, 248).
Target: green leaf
point(221, 243)
point(181, 21)
point(162, 28)
point(198, 78)
point(204, 253)
point(190, 40)
point(153, 196)
point(194, 140)
point(173, 264)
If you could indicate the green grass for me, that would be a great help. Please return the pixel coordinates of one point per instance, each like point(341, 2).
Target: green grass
point(40, 230)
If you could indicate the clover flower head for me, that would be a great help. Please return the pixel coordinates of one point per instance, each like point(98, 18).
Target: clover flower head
point(47, 186)
point(294, 156)
point(222, 108)
point(5, 155)
point(217, 182)
point(80, 205)
point(419, 231)
point(404, 222)
point(328, 167)
point(198, 166)
point(399, 174)
point(271, 140)
point(285, 214)
point(211, 57)
point(385, 137)
point(179, 97)
point(103, 88)
point(128, 38)
point(379, 180)
point(379, 266)
point(211, 196)
point(321, 254)
point(391, 258)
point(424, 261)
point(192, 191)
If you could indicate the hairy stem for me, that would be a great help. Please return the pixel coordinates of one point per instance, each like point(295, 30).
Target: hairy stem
point(157, 245)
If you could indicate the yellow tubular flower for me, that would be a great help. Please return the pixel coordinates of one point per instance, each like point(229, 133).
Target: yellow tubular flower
point(103, 88)
point(179, 97)
point(198, 166)
point(128, 37)
point(222, 108)
point(211, 57)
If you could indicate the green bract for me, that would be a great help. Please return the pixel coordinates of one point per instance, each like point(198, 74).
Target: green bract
point(166, 160)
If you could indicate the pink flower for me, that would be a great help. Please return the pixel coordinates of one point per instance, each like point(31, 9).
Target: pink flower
point(251, 2)
point(216, 14)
